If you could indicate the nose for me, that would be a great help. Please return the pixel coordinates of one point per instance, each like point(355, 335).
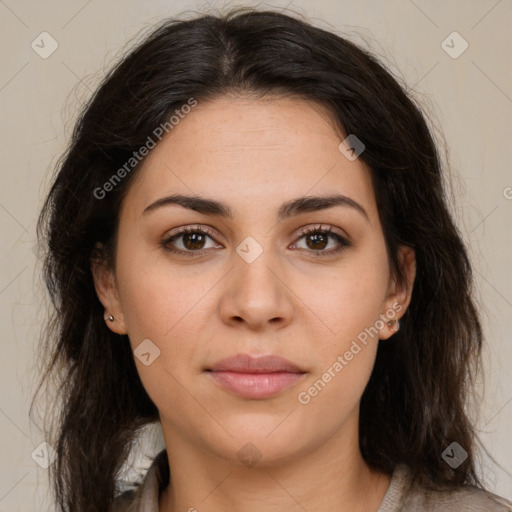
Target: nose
point(257, 294)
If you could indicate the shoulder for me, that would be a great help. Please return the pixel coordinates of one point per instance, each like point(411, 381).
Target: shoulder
point(401, 498)
point(466, 499)
point(144, 497)
point(124, 502)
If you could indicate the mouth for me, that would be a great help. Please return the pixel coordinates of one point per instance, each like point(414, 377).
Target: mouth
point(255, 377)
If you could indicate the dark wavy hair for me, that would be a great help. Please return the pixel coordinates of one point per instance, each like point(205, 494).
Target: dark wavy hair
point(415, 403)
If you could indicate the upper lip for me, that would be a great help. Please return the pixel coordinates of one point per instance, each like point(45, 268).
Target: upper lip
point(244, 363)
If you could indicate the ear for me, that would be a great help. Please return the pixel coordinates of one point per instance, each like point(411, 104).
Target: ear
point(398, 297)
point(106, 289)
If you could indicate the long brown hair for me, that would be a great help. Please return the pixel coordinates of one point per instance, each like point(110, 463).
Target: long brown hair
point(414, 404)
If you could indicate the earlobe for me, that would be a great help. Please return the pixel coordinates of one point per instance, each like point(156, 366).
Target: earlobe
point(106, 290)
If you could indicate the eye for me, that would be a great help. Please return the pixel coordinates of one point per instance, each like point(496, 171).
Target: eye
point(317, 239)
point(191, 239)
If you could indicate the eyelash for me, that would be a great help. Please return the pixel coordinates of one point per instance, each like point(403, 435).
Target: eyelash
point(343, 243)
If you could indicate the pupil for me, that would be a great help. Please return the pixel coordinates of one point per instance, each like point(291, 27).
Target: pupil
point(318, 237)
point(196, 239)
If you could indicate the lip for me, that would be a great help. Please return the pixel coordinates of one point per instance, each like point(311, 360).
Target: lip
point(255, 377)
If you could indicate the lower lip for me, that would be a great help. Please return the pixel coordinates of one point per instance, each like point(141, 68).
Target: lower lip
point(256, 385)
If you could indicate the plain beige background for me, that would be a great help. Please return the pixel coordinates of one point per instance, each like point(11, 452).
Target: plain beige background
point(469, 98)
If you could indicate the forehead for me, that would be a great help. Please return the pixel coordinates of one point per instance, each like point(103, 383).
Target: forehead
point(252, 152)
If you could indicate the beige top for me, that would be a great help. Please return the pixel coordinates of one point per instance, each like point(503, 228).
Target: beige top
point(145, 497)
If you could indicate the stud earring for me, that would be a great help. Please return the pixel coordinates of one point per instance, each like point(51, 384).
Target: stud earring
point(110, 318)
point(394, 322)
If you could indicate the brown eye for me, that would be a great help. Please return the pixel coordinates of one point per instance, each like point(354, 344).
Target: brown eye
point(189, 241)
point(317, 239)
point(193, 241)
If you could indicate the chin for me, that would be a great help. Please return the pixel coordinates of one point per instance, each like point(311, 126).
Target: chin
point(260, 442)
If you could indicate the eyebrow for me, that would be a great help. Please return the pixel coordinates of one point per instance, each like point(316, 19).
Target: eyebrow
point(288, 209)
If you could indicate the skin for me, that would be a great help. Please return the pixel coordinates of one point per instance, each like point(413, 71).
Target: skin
point(255, 154)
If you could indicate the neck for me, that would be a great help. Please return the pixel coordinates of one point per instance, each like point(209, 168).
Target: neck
point(331, 477)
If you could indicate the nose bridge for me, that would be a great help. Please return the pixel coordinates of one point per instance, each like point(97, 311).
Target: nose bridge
point(256, 290)
point(256, 265)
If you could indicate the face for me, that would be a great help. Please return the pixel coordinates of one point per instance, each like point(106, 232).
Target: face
point(259, 275)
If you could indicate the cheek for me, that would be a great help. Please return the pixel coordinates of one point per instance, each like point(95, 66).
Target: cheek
point(158, 297)
point(333, 395)
point(345, 354)
point(159, 303)
point(349, 299)
point(349, 306)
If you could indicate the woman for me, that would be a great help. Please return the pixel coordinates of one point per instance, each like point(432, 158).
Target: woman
point(249, 243)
